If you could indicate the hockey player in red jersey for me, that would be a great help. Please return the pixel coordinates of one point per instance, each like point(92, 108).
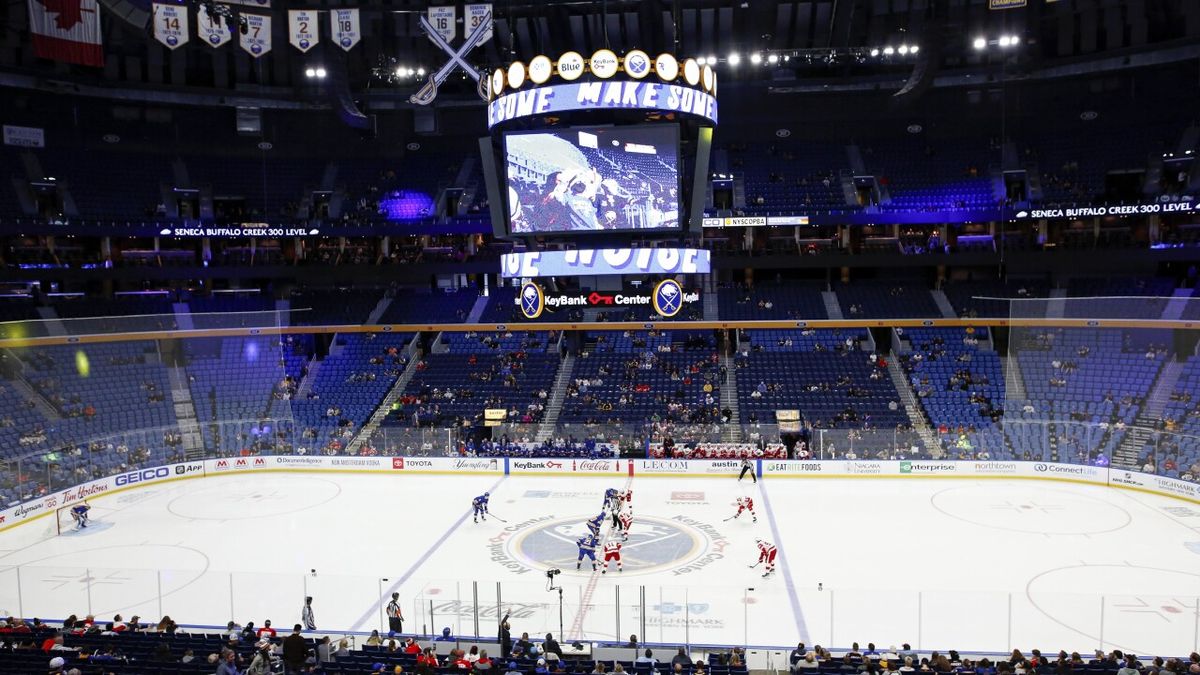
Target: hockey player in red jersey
point(626, 521)
point(766, 553)
point(612, 551)
point(745, 504)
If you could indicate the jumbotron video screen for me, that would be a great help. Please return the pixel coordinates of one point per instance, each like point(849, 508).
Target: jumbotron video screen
point(595, 179)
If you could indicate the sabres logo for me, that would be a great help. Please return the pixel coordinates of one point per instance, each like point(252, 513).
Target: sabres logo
point(654, 544)
point(533, 301)
point(668, 298)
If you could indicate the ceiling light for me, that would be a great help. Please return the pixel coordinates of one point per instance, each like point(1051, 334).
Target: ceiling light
point(980, 44)
point(874, 52)
point(756, 58)
point(734, 59)
point(888, 51)
point(320, 73)
point(914, 49)
point(421, 72)
point(309, 72)
point(712, 60)
point(773, 58)
point(903, 49)
point(399, 72)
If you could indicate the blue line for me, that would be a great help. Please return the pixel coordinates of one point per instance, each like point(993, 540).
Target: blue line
point(420, 561)
point(801, 628)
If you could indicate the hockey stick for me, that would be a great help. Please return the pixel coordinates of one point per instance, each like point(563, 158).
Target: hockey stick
point(756, 564)
point(498, 518)
point(728, 519)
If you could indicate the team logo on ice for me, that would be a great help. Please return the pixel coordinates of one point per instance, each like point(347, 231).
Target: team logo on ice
point(533, 301)
point(668, 298)
point(680, 544)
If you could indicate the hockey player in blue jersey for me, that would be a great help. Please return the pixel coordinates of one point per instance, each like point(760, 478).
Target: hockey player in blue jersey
point(479, 506)
point(594, 524)
point(587, 547)
point(611, 495)
point(79, 513)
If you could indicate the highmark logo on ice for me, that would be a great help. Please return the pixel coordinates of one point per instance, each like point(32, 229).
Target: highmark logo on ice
point(681, 544)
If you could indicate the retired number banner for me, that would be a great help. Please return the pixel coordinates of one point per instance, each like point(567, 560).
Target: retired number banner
point(442, 20)
point(302, 29)
point(345, 28)
point(257, 38)
point(212, 29)
point(171, 25)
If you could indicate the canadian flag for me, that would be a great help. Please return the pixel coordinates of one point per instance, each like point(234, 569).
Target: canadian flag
point(67, 30)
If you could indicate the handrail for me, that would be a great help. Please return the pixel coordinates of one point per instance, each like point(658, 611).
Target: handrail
point(51, 340)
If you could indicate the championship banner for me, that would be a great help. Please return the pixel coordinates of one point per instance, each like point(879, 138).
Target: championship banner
point(442, 20)
point(302, 29)
point(212, 29)
point(171, 25)
point(345, 28)
point(67, 31)
point(476, 14)
point(1006, 4)
point(257, 38)
point(265, 4)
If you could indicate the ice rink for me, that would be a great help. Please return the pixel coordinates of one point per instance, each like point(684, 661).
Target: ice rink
point(982, 565)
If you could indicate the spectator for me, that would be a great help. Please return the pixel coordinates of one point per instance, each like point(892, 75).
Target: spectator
point(648, 657)
point(681, 658)
point(266, 630)
point(229, 664)
point(551, 649)
point(295, 650)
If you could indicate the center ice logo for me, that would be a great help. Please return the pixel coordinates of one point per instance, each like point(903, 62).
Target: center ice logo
point(653, 545)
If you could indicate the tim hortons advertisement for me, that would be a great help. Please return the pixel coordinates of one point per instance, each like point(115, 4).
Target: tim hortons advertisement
point(48, 503)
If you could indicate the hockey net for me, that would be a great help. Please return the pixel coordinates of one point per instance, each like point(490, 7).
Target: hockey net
point(62, 522)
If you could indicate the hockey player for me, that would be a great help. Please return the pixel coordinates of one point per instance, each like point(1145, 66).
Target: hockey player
point(612, 551)
point(595, 524)
point(766, 553)
point(79, 513)
point(747, 467)
point(479, 506)
point(626, 523)
point(746, 504)
point(587, 547)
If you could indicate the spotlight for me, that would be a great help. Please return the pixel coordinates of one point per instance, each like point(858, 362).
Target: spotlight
point(756, 58)
point(874, 52)
point(787, 57)
point(309, 72)
point(421, 72)
point(773, 58)
point(903, 50)
point(914, 49)
point(734, 59)
point(399, 72)
point(980, 44)
point(888, 51)
point(712, 60)
point(320, 73)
